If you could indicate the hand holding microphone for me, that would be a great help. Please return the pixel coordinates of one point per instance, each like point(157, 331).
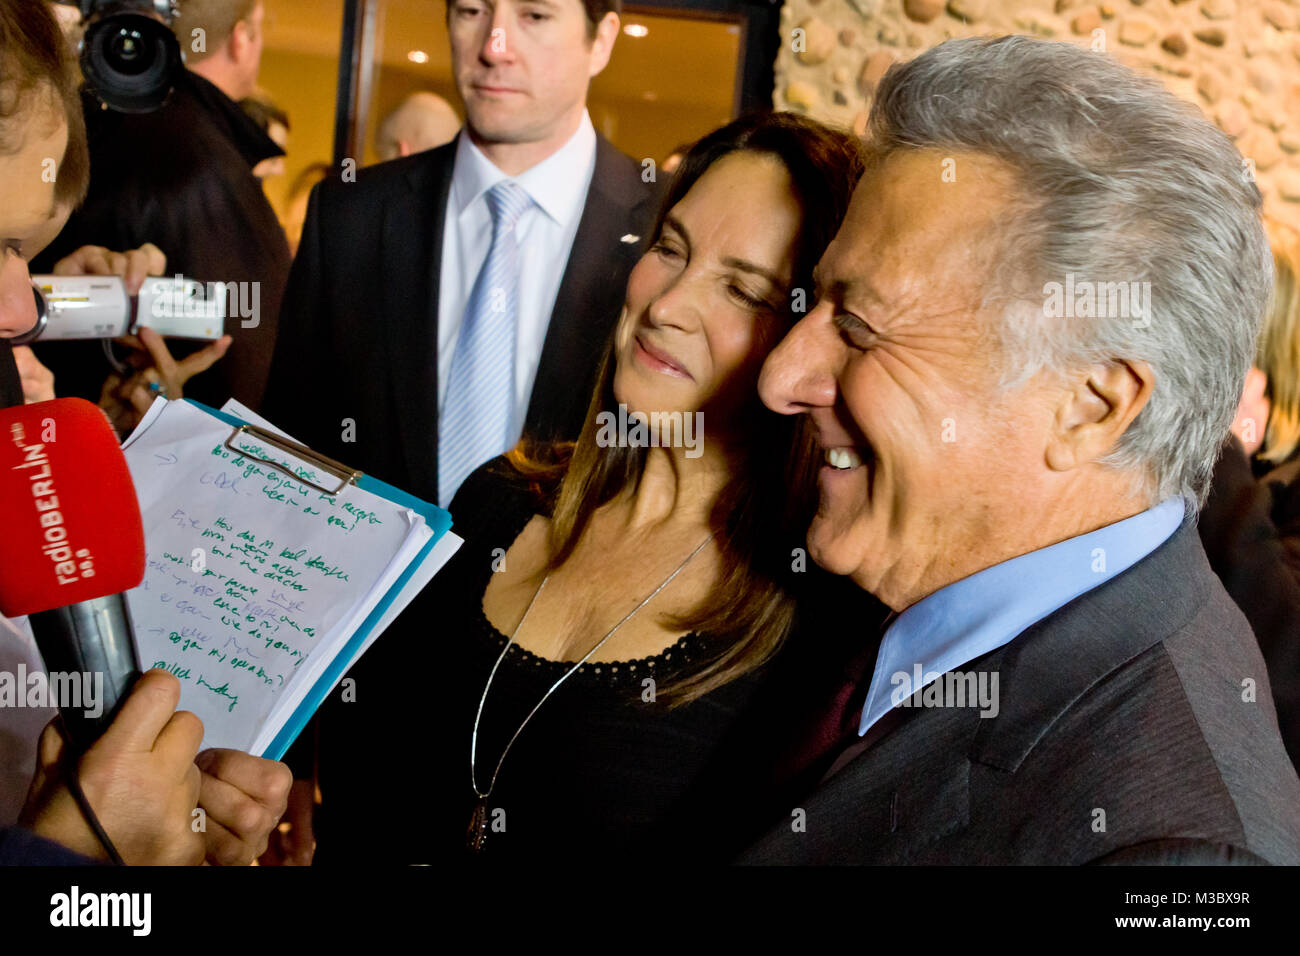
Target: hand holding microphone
point(74, 543)
point(140, 778)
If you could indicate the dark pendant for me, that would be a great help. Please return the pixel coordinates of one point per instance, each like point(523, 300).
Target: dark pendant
point(476, 835)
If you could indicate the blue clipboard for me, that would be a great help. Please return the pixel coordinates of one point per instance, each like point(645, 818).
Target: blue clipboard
point(438, 520)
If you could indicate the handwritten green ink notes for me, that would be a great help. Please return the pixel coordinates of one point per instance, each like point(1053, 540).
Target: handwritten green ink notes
point(255, 580)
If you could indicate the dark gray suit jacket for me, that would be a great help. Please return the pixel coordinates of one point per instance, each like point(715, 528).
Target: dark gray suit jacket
point(1122, 737)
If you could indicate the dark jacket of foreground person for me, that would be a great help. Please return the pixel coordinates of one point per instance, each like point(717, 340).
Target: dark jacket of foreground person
point(1135, 725)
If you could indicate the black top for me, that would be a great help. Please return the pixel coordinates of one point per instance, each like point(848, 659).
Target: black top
point(603, 770)
point(602, 763)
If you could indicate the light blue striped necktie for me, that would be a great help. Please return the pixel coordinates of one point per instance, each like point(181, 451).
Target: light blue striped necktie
point(479, 404)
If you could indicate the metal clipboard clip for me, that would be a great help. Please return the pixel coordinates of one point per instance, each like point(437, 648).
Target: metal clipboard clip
point(347, 476)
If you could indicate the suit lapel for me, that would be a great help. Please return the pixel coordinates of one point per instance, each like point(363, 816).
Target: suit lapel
point(590, 291)
point(887, 805)
point(411, 256)
point(896, 799)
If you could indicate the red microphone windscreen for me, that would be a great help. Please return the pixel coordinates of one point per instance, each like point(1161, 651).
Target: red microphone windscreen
point(72, 528)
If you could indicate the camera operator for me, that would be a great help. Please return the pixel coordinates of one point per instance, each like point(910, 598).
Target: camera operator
point(181, 177)
point(149, 750)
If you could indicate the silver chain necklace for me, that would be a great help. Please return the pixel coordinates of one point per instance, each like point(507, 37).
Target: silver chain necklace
point(476, 835)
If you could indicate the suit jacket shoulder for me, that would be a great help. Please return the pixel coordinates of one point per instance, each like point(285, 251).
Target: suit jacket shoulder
point(1124, 719)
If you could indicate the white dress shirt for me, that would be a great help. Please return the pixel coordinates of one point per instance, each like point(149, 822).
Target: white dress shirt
point(558, 187)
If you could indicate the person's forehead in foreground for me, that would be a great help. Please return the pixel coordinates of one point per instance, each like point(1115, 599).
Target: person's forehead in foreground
point(966, 417)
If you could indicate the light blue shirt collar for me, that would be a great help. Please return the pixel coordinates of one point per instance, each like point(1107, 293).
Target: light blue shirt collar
point(982, 612)
point(551, 184)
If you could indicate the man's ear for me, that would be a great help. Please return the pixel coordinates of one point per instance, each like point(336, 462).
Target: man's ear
point(603, 45)
point(1096, 410)
point(240, 45)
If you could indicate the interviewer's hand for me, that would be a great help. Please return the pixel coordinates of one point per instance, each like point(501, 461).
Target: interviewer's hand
point(244, 797)
point(139, 777)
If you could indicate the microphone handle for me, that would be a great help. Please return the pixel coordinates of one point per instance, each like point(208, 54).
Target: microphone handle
point(90, 637)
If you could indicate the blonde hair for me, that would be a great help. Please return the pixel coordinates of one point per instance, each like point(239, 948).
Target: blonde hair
point(216, 18)
point(1278, 351)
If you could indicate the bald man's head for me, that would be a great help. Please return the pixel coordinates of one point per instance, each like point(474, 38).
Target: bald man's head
point(422, 121)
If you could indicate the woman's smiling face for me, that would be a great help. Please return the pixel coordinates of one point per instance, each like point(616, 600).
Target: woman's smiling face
point(708, 301)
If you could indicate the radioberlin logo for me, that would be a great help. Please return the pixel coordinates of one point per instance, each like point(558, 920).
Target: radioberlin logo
point(1103, 300)
point(655, 430)
point(923, 688)
point(74, 908)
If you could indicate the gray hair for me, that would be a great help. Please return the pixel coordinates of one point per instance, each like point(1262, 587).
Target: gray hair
point(1119, 180)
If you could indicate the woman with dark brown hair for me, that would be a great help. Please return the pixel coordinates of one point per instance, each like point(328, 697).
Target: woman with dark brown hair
point(610, 613)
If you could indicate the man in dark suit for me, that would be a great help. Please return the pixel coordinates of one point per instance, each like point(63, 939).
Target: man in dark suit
point(373, 311)
point(444, 304)
point(1016, 468)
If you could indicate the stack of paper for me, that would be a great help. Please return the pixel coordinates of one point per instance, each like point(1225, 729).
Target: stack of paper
point(264, 583)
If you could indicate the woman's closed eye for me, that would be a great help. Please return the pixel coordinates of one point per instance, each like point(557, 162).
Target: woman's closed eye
point(745, 299)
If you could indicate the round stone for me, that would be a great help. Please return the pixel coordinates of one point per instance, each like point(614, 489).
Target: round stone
point(801, 95)
point(1137, 32)
point(1175, 43)
point(818, 42)
point(922, 11)
point(1086, 21)
point(1218, 9)
point(873, 68)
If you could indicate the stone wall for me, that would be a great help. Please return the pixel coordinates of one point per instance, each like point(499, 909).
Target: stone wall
point(1238, 60)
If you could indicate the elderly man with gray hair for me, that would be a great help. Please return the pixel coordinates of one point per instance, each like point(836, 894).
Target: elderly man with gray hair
point(1029, 339)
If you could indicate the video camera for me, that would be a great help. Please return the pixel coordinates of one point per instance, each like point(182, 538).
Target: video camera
point(99, 307)
point(129, 55)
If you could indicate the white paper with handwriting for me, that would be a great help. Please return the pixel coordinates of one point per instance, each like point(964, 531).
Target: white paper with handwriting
point(254, 580)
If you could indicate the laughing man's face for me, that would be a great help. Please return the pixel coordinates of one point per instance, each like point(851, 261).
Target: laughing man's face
point(925, 458)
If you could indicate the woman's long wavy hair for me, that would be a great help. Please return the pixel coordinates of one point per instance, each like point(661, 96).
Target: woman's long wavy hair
point(763, 515)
